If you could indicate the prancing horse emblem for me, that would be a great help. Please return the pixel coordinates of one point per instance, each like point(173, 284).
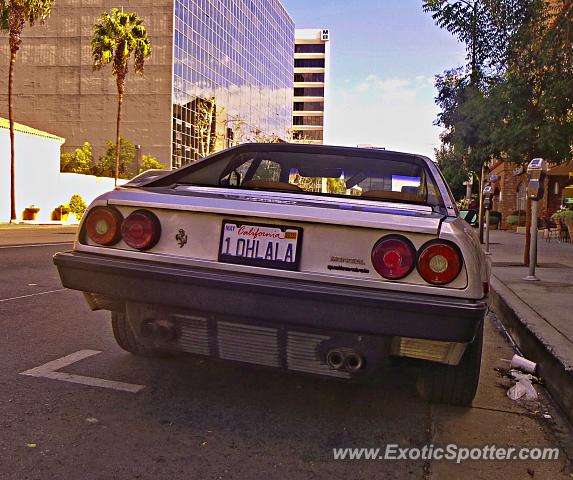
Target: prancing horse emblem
point(181, 238)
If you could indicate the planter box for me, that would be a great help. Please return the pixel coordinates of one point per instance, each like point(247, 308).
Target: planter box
point(29, 215)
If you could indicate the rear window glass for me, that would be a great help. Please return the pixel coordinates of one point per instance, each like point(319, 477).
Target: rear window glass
point(319, 174)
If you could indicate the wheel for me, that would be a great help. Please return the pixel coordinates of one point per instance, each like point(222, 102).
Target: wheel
point(127, 340)
point(454, 385)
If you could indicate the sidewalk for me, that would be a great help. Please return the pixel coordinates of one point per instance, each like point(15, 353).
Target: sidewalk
point(26, 234)
point(538, 315)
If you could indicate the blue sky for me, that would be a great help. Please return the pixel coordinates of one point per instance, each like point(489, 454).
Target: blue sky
point(384, 55)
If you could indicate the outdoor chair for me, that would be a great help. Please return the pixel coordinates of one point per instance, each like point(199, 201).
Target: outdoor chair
point(564, 233)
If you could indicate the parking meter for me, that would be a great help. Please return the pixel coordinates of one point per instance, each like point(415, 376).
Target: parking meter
point(536, 172)
point(488, 197)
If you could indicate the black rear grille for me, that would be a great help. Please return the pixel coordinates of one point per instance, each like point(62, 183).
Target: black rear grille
point(248, 343)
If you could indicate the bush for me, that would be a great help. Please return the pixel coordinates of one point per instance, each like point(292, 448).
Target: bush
point(105, 167)
point(565, 216)
point(516, 218)
point(77, 206)
point(78, 161)
point(149, 163)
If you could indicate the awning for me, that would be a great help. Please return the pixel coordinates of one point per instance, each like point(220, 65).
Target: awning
point(562, 170)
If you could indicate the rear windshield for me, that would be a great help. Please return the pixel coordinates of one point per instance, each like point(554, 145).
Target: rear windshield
point(318, 174)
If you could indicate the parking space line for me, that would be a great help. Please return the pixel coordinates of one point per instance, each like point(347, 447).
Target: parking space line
point(32, 295)
point(49, 370)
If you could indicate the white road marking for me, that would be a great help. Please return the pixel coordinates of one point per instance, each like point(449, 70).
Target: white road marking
point(32, 295)
point(37, 245)
point(49, 370)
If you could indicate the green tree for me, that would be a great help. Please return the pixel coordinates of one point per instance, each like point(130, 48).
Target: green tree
point(78, 161)
point(533, 101)
point(150, 163)
point(116, 36)
point(14, 14)
point(454, 170)
point(107, 165)
point(77, 206)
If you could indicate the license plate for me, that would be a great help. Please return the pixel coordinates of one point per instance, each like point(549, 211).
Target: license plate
point(270, 246)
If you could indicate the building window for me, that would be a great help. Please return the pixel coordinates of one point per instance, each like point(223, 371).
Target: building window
point(314, 121)
point(309, 63)
point(309, 48)
point(309, 77)
point(556, 188)
point(309, 92)
point(307, 135)
point(520, 200)
point(308, 106)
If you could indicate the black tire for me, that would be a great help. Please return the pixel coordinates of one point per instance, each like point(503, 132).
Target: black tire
point(454, 385)
point(127, 340)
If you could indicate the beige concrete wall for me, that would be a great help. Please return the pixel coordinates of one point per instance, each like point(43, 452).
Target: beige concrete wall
point(57, 91)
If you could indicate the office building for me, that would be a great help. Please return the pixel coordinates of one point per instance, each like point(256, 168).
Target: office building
point(220, 73)
point(311, 71)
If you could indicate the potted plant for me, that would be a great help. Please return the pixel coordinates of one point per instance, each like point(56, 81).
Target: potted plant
point(566, 216)
point(60, 213)
point(30, 213)
point(516, 218)
point(494, 219)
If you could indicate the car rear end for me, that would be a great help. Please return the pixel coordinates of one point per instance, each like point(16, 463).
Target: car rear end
point(324, 284)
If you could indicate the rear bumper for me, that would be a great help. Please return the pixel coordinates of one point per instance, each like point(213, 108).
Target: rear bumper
point(271, 300)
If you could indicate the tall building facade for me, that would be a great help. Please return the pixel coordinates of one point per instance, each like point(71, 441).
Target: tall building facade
point(311, 84)
point(220, 73)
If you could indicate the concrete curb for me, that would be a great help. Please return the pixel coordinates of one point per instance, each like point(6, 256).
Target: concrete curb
point(526, 328)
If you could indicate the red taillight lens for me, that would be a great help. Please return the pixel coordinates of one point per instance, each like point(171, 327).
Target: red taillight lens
point(439, 262)
point(393, 257)
point(103, 225)
point(141, 230)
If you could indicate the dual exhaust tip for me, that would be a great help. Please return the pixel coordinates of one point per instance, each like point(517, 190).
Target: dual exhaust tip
point(159, 330)
point(344, 359)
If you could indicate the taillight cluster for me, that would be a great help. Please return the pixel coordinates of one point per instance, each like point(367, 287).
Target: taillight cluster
point(140, 229)
point(438, 261)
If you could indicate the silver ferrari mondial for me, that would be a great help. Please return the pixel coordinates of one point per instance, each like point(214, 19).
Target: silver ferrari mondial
point(317, 259)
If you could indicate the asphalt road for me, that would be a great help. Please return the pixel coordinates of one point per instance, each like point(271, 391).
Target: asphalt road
point(199, 419)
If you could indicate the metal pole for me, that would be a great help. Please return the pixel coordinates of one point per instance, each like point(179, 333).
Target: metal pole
point(480, 209)
point(487, 231)
point(533, 245)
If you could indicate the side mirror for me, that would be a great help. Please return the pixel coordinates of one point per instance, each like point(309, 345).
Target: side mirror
point(470, 216)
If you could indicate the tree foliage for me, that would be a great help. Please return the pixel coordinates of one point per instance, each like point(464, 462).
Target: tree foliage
point(149, 162)
point(79, 161)
point(116, 37)
point(77, 206)
point(454, 170)
point(483, 26)
point(106, 165)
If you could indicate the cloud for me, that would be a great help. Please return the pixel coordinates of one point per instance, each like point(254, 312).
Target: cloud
point(396, 113)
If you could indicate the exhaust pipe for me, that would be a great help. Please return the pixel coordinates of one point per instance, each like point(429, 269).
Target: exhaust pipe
point(335, 359)
point(353, 362)
point(163, 330)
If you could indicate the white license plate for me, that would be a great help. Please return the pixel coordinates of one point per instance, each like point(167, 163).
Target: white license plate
point(271, 246)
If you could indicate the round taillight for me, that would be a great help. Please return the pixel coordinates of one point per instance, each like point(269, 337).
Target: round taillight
point(141, 230)
point(103, 225)
point(393, 257)
point(439, 262)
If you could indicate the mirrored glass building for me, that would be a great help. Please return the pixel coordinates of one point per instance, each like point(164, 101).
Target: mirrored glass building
point(232, 74)
point(220, 74)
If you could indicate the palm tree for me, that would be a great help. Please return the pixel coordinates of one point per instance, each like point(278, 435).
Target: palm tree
point(116, 36)
point(14, 14)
